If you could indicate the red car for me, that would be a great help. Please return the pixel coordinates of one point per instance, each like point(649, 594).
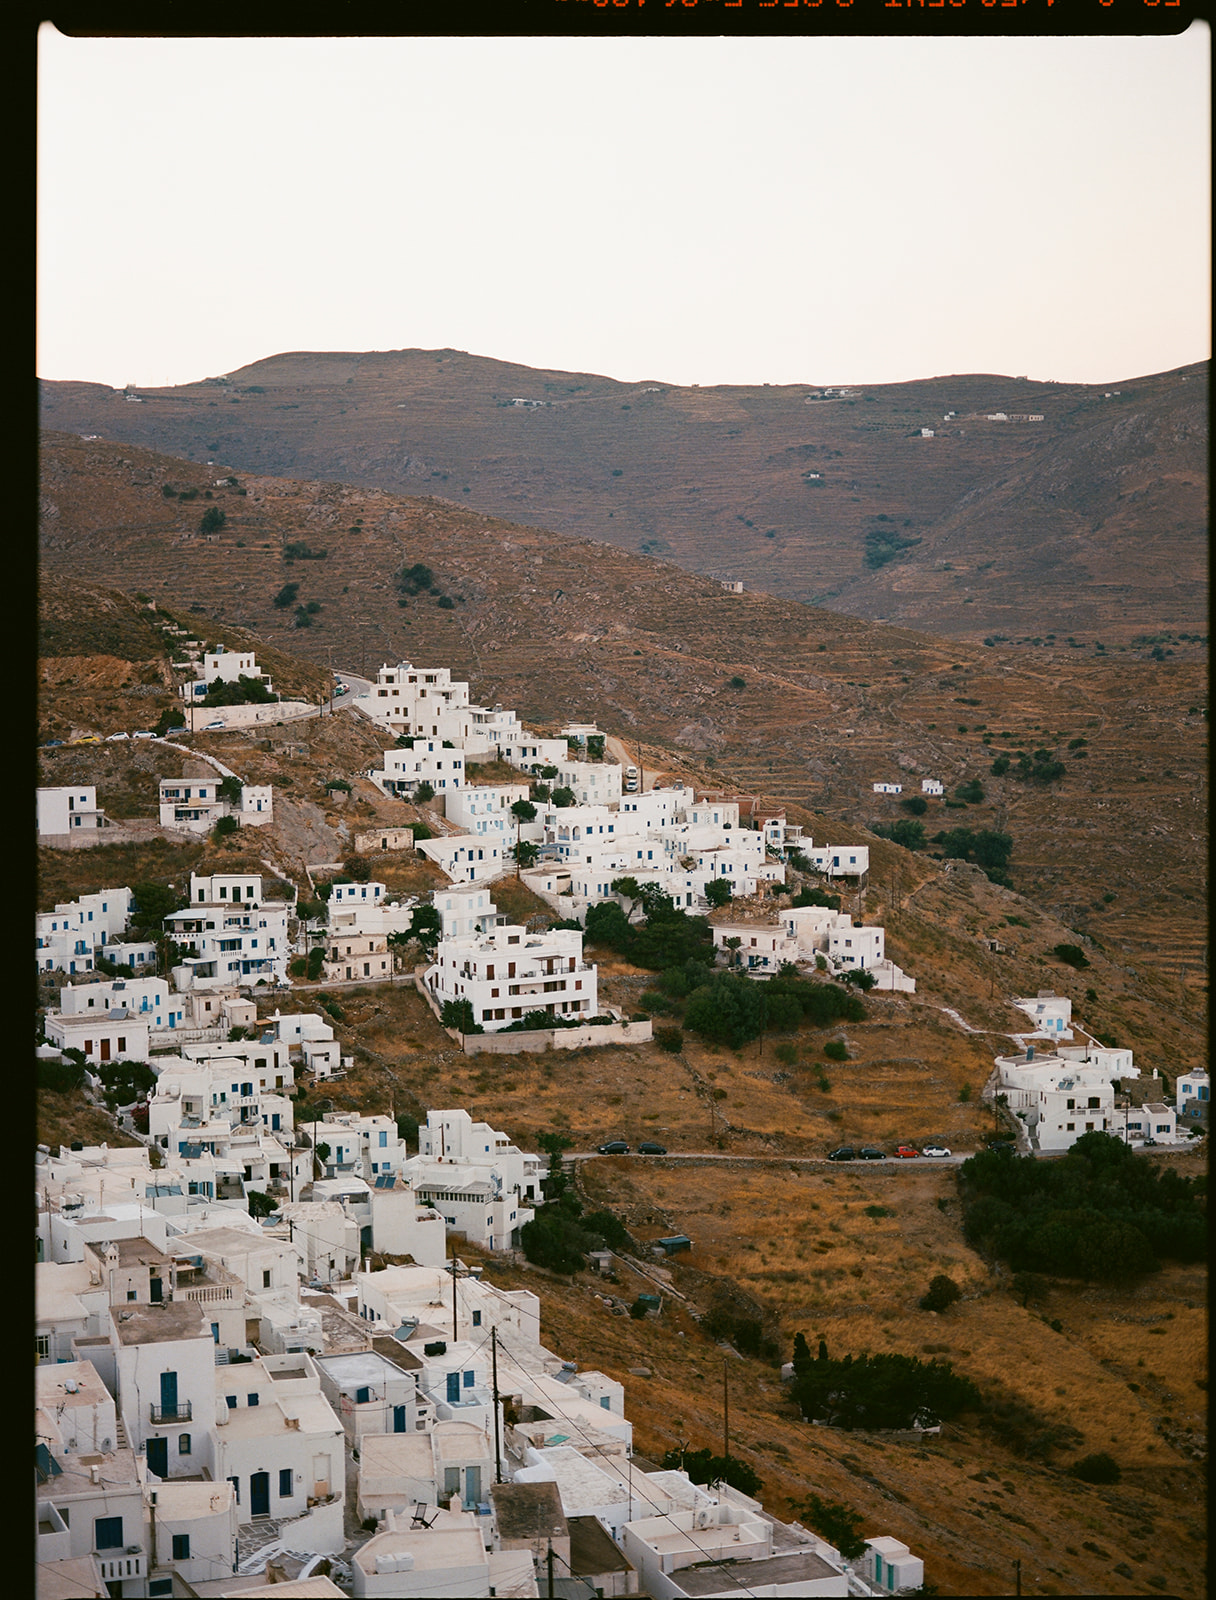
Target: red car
point(907, 1150)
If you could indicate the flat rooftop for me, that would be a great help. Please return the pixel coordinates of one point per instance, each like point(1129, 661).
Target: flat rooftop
point(51, 1384)
point(530, 1511)
point(747, 1577)
point(178, 1319)
point(359, 1368)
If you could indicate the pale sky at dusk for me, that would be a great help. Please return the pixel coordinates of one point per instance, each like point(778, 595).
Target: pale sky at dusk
point(692, 210)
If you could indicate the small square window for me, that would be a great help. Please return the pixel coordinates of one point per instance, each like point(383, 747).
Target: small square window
point(181, 1547)
point(183, 1444)
point(251, 1399)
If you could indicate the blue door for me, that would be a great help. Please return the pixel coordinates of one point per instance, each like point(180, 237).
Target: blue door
point(398, 1419)
point(168, 1395)
point(158, 1457)
point(259, 1494)
point(453, 1386)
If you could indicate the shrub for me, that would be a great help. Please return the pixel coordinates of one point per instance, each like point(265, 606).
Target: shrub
point(738, 683)
point(836, 1050)
point(669, 1039)
point(1000, 766)
point(423, 793)
point(638, 1310)
point(970, 793)
point(719, 892)
point(213, 520)
point(837, 1524)
point(169, 719)
point(315, 962)
point(563, 796)
point(458, 1014)
point(286, 595)
point(905, 832)
point(1099, 1468)
point(1070, 954)
point(942, 1292)
point(861, 979)
point(225, 827)
point(916, 804)
point(702, 1466)
point(446, 603)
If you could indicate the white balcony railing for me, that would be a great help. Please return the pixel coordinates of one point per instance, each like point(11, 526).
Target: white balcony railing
point(130, 1563)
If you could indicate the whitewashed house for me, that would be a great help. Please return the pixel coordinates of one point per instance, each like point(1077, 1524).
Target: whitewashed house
point(66, 938)
point(1058, 1100)
point(891, 1567)
point(932, 786)
point(64, 810)
point(1051, 1014)
point(1193, 1092)
point(508, 971)
point(234, 937)
point(223, 666)
point(888, 788)
point(465, 857)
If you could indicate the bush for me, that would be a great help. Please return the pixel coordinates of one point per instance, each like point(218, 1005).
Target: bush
point(836, 1050)
point(422, 794)
point(286, 596)
point(458, 1014)
point(881, 1391)
point(315, 963)
point(720, 892)
point(1071, 955)
point(169, 719)
point(300, 550)
point(861, 979)
point(1099, 1468)
point(225, 827)
point(970, 793)
point(638, 1310)
point(669, 1039)
point(835, 1523)
point(916, 804)
point(60, 1077)
point(905, 832)
point(702, 1466)
point(563, 796)
point(1000, 766)
point(213, 520)
point(942, 1292)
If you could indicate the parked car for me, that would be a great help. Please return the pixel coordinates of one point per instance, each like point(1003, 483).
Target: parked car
point(143, 733)
point(934, 1150)
point(216, 724)
point(112, 738)
point(1003, 1144)
point(907, 1150)
point(51, 743)
point(89, 738)
point(845, 1153)
point(614, 1147)
point(870, 1152)
point(652, 1149)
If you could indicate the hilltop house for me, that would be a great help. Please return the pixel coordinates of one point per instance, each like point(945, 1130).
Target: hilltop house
point(66, 810)
point(507, 971)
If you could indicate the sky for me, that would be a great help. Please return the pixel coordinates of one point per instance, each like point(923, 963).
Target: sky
point(792, 210)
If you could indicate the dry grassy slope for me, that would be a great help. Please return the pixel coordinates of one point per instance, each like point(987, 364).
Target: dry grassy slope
point(566, 628)
point(1084, 502)
point(802, 1246)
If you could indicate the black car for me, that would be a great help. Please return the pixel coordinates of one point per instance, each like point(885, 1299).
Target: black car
point(652, 1149)
point(845, 1153)
point(614, 1147)
point(871, 1152)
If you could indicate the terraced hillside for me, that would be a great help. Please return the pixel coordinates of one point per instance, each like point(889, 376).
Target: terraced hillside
point(1092, 521)
point(559, 628)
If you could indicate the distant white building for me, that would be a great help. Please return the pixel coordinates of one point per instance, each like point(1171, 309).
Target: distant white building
point(888, 788)
point(232, 934)
point(66, 938)
point(932, 786)
point(224, 666)
point(507, 971)
point(1193, 1092)
point(66, 810)
point(1051, 1013)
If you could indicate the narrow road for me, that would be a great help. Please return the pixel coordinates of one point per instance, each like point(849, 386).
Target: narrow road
point(888, 1163)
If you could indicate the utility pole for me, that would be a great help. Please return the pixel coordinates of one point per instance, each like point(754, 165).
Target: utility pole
point(1017, 1575)
point(494, 1379)
point(455, 1335)
point(726, 1407)
point(549, 1564)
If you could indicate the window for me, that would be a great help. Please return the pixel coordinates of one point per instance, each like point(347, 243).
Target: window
point(231, 1399)
point(183, 1444)
point(43, 1344)
point(362, 1396)
point(266, 1279)
point(251, 1399)
point(131, 1294)
point(108, 1533)
point(181, 1547)
point(477, 1319)
point(285, 1482)
point(468, 1380)
point(160, 1586)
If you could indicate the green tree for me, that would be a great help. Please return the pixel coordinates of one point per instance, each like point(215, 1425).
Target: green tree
point(230, 788)
point(703, 1466)
point(458, 1014)
point(629, 888)
point(563, 796)
point(151, 904)
point(171, 717)
point(286, 596)
point(523, 811)
point(526, 854)
point(595, 746)
point(1099, 1468)
point(423, 793)
point(719, 892)
point(607, 925)
point(729, 1010)
point(916, 804)
point(905, 832)
point(941, 1293)
point(225, 828)
point(734, 945)
point(970, 793)
point(1071, 955)
point(802, 1352)
point(213, 520)
point(1000, 766)
point(834, 1522)
point(260, 1205)
point(426, 925)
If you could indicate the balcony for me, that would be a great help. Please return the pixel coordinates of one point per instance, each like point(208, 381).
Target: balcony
point(120, 1565)
point(181, 1411)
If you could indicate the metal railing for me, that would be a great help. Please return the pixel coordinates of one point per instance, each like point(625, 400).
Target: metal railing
point(181, 1411)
